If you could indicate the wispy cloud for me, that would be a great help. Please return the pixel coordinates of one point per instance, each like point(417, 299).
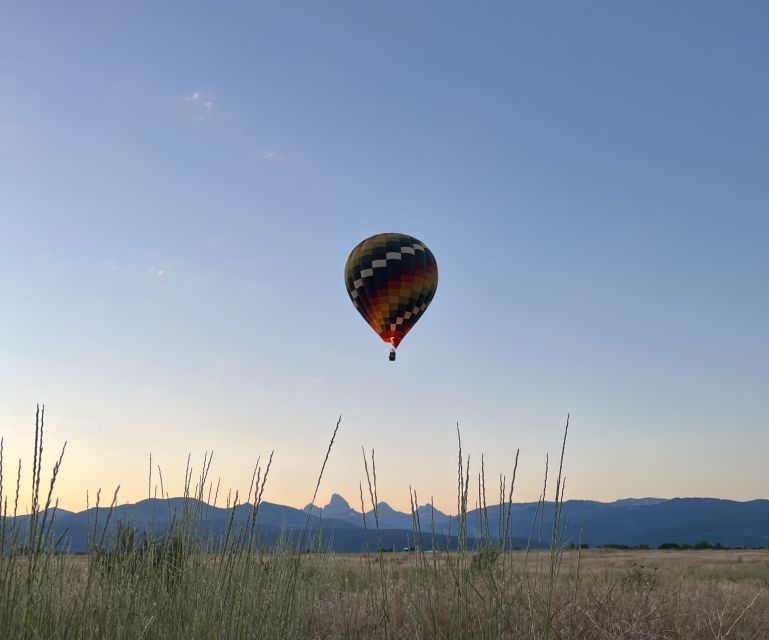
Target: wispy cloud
point(200, 104)
point(168, 271)
point(158, 273)
point(268, 154)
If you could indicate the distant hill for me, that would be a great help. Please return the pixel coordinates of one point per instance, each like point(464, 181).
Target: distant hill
point(632, 522)
point(648, 521)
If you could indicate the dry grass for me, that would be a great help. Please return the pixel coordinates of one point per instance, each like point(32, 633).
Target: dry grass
point(619, 594)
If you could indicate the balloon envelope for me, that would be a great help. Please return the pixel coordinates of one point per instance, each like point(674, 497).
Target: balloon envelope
point(391, 279)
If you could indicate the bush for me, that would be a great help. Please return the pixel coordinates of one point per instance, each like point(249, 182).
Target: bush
point(484, 560)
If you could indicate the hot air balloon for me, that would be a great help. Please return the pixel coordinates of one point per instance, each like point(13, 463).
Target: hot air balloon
point(391, 279)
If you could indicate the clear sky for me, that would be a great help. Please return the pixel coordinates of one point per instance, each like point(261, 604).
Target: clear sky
point(181, 184)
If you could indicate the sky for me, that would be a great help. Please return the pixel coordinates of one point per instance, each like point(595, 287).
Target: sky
point(181, 184)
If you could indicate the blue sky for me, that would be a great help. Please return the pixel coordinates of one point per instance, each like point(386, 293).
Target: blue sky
point(180, 186)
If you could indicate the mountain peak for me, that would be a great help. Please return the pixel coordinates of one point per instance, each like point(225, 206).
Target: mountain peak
point(385, 508)
point(337, 506)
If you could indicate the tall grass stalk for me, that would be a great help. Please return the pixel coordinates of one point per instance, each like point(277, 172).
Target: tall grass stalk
point(372, 489)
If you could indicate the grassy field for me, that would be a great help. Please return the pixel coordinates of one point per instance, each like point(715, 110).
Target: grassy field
point(615, 594)
point(599, 594)
point(175, 585)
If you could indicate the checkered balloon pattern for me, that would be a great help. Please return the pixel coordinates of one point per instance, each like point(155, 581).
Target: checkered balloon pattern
point(391, 279)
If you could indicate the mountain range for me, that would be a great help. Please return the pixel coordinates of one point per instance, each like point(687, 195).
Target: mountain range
point(632, 522)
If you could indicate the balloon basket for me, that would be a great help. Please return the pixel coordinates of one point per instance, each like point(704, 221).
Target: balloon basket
point(392, 355)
